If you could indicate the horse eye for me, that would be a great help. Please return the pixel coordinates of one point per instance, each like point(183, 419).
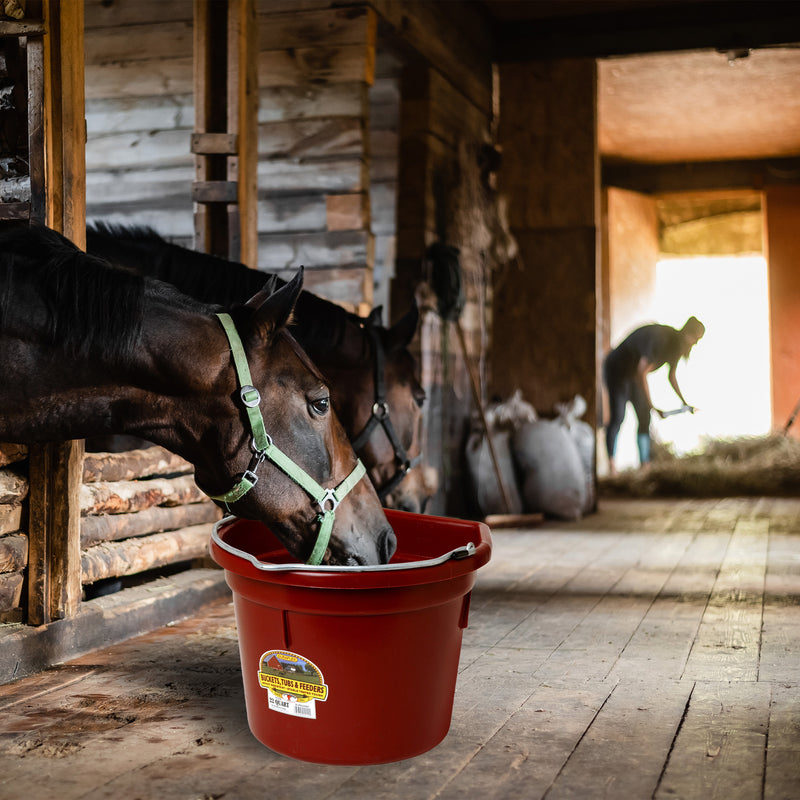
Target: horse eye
point(419, 399)
point(321, 406)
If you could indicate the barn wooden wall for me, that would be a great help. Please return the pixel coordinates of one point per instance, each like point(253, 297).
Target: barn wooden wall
point(548, 131)
point(336, 86)
point(315, 69)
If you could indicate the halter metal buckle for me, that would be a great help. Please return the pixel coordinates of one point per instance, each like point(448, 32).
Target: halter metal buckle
point(252, 401)
point(328, 497)
point(251, 476)
point(380, 409)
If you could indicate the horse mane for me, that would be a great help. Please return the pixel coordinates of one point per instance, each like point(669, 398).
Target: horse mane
point(92, 309)
point(321, 323)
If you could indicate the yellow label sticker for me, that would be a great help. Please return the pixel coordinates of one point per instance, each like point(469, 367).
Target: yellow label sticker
point(293, 683)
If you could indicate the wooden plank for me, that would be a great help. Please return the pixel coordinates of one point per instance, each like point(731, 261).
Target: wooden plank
point(337, 249)
point(26, 650)
point(11, 210)
point(140, 149)
point(453, 37)
point(215, 191)
point(314, 66)
point(728, 640)
point(243, 93)
point(135, 43)
point(581, 741)
point(54, 556)
point(113, 527)
point(664, 639)
point(11, 589)
point(13, 487)
point(10, 518)
point(311, 138)
point(100, 14)
point(11, 453)
point(13, 552)
point(145, 463)
point(780, 634)
point(131, 79)
point(121, 497)
point(120, 115)
point(131, 556)
point(719, 750)
point(213, 143)
point(282, 103)
point(286, 28)
point(783, 747)
point(346, 212)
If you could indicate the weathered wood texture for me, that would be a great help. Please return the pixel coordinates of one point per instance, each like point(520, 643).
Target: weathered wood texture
point(441, 198)
point(314, 65)
point(548, 309)
point(11, 453)
point(146, 463)
point(609, 658)
point(131, 556)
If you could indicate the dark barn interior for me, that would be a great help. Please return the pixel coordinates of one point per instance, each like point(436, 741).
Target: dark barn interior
point(516, 168)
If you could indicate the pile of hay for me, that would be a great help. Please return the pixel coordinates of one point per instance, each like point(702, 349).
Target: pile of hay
point(764, 465)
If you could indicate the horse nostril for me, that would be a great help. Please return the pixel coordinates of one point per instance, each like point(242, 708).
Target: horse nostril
point(387, 546)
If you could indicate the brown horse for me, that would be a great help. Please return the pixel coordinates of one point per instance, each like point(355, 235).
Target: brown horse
point(372, 375)
point(87, 349)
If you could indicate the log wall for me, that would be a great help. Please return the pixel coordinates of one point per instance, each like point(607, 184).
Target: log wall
point(13, 530)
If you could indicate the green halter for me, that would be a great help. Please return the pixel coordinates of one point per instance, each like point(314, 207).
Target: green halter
point(263, 448)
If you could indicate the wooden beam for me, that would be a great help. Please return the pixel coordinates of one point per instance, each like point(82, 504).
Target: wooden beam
point(54, 588)
point(243, 122)
point(226, 129)
point(673, 26)
point(701, 176)
point(54, 577)
point(211, 101)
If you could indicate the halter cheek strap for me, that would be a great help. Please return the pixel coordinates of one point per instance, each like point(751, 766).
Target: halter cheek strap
point(380, 416)
point(264, 449)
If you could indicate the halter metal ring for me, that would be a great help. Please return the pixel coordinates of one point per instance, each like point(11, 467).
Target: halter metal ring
point(251, 402)
point(328, 497)
point(380, 409)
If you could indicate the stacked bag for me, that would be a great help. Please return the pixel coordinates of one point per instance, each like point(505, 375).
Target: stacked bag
point(547, 465)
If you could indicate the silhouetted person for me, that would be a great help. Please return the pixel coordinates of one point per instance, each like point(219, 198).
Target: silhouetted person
point(625, 372)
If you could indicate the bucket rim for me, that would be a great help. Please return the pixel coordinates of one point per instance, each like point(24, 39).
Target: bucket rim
point(456, 554)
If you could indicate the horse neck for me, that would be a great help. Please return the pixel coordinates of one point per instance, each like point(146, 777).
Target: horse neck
point(52, 397)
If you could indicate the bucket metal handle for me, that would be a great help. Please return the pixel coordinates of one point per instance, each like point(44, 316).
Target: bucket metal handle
point(465, 551)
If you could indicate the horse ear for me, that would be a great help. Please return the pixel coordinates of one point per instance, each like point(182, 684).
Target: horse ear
point(402, 332)
point(273, 310)
point(375, 316)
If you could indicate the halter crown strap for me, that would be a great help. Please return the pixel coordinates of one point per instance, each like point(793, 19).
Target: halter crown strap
point(380, 416)
point(264, 448)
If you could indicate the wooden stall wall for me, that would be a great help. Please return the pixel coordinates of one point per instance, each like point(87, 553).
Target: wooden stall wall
point(140, 114)
point(445, 126)
point(548, 131)
point(315, 67)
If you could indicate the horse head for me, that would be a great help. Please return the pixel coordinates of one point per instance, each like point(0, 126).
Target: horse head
point(286, 450)
point(383, 410)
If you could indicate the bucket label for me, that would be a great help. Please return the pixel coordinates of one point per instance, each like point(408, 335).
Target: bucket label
point(293, 683)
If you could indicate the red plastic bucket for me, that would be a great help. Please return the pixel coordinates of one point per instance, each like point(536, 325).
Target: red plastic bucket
point(349, 665)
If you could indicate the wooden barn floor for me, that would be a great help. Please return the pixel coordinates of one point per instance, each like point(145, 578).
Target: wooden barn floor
point(649, 651)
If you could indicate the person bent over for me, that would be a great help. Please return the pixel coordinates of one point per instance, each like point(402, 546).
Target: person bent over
point(625, 371)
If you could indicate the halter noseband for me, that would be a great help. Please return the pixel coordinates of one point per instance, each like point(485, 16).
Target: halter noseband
point(380, 416)
point(264, 449)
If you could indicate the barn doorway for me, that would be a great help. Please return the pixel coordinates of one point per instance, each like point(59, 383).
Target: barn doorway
point(728, 375)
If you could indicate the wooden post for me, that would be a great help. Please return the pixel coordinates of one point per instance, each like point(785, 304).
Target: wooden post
point(54, 577)
point(225, 142)
point(243, 119)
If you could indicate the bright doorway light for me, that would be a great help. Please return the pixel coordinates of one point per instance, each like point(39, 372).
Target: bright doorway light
point(727, 376)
